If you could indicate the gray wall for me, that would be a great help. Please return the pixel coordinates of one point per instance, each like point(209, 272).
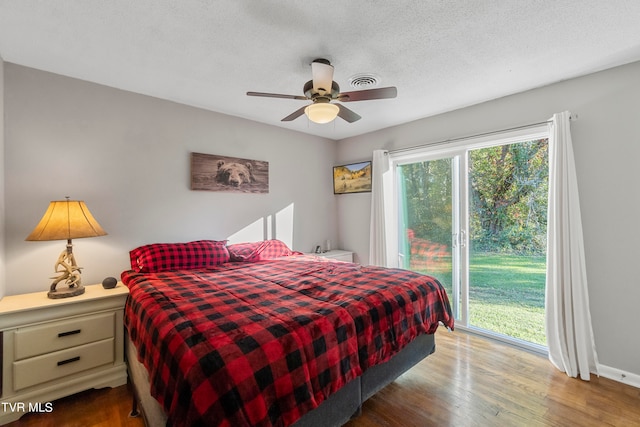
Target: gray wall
point(2, 234)
point(127, 157)
point(606, 140)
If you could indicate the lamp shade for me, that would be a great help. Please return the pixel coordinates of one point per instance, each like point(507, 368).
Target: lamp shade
point(322, 112)
point(66, 220)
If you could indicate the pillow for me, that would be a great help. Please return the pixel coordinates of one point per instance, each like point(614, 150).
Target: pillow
point(159, 257)
point(256, 251)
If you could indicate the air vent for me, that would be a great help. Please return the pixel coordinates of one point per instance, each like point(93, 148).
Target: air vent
point(364, 81)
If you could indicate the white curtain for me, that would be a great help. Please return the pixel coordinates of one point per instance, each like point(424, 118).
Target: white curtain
point(568, 319)
point(378, 231)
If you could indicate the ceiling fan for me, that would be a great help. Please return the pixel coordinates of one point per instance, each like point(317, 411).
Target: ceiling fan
point(321, 90)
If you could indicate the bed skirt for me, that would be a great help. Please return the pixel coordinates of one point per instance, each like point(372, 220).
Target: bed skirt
point(335, 411)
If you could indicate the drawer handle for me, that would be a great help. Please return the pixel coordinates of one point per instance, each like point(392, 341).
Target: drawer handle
point(64, 362)
point(66, 334)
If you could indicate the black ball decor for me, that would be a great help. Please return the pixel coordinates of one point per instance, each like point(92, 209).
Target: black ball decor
point(109, 283)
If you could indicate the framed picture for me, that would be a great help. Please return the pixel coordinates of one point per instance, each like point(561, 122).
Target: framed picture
point(352, 178)
point(210, 172)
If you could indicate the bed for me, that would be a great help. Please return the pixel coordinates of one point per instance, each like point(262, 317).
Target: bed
point(256, 334)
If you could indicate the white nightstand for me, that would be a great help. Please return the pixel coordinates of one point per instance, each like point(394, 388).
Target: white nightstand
point(53, 348)
point(337, 254)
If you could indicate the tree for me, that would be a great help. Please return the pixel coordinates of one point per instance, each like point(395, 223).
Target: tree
point(427, 188)
point(508, 198)
point(509, 185)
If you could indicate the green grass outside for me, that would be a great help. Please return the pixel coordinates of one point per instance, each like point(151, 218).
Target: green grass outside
point(506, 293)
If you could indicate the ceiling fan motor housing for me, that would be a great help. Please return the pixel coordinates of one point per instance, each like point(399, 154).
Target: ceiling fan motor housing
point(313, 95)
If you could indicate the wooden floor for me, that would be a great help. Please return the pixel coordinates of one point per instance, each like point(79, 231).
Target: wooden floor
point(468, 381)
point(473, 381)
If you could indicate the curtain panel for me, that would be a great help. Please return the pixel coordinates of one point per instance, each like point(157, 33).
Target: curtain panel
point(378, 241)
point(568, 319)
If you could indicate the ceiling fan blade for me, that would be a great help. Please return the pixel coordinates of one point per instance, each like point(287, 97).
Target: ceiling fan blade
point(347, 114)
point(294, 115)
point(322, 72)
point(277, 95)
point(368, 94)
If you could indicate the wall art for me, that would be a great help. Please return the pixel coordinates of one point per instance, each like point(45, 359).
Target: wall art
point(352, 178)
point(210, 172)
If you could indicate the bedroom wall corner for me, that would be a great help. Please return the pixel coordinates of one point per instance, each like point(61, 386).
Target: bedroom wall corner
point(2, 180)
point(128, 157)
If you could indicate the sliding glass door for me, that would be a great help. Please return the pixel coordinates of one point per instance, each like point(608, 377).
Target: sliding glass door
point(508, 190)
point(475, 218)
point(428, 218)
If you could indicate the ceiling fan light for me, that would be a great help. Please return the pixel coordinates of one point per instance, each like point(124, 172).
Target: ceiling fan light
point(323, 112)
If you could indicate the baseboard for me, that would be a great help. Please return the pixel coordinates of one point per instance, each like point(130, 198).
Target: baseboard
point(619, 375)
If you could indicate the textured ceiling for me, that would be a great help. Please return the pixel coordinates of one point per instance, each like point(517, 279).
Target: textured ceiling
point(440, 54)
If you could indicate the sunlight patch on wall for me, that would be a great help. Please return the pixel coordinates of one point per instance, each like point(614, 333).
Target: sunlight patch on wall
point(278, 226)
point(284, 225)
point(251, 233)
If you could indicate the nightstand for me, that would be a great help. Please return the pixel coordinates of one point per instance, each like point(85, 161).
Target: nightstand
point(337, 254)
point(52, 348)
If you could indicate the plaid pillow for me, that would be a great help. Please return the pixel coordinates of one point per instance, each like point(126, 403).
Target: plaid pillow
point(256, 251)
point(159, 257)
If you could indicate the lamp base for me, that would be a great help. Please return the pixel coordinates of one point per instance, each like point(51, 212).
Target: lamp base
point(66, 292)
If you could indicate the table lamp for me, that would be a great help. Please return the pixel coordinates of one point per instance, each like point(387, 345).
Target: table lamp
point(66, 220)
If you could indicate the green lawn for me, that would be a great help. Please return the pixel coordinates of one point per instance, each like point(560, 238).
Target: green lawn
point(506, 293)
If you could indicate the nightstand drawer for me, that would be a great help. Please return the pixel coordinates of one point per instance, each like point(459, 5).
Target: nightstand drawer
point(40, 369)
point(36, 340)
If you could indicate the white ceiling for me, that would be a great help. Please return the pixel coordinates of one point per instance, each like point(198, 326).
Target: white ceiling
point(440, 54)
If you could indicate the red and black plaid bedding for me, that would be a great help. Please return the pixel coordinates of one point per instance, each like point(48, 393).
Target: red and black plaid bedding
point(263, 343)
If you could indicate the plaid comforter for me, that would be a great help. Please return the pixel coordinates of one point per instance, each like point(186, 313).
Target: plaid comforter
point(263, 343)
